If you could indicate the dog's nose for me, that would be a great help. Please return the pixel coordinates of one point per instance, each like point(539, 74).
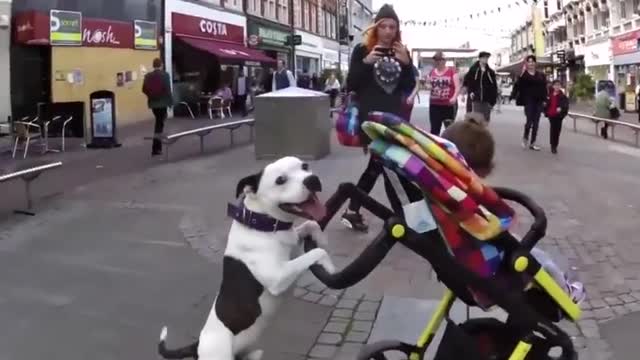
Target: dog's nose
point(312, 183)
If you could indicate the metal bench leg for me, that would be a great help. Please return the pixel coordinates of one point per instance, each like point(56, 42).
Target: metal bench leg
point(201, 144)
point(231, 135)
point(251, 132)
point(613, 132)
point(596, 128)
point(15, 147)
point(166, 152)
point(575, 128)
point(637, 138)
point(27, 191)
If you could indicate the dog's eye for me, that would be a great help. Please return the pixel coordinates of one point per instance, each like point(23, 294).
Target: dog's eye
point(305, 167)
point(281, 180)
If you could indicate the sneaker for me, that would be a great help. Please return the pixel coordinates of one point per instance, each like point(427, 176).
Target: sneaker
point(534, 147)
point(354, 221)
point(525, 143)
point(554, 150)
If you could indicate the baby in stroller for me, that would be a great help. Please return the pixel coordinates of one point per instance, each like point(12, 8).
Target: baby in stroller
point(468, 243)
point(474, 142)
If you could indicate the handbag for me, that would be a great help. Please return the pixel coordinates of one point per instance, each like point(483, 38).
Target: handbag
point(348, 123)
point(614, 113)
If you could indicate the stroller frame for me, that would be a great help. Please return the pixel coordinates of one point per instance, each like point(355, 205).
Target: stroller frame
point(524, 319)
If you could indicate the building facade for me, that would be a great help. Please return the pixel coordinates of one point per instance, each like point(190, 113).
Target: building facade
point(65, 50)
point(5, 61)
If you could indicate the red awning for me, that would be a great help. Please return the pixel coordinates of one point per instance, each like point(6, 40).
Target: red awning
point(228, 51)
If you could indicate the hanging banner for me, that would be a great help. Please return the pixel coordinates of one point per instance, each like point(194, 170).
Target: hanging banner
point(65, 28)
point(146, 35)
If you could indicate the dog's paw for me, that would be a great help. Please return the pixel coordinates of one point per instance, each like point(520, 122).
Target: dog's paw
point(326, 263)
point(313, 229)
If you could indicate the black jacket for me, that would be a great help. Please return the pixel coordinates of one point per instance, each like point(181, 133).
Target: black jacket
point(483, 85)
point(369, 95)
point(530, 89)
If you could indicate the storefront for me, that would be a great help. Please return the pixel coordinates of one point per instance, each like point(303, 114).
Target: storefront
point(205, 49)
point(78, 56)
point(330, 57)
point(626, 62)
point(269, 37)
point(597, 60)
point(309, 53)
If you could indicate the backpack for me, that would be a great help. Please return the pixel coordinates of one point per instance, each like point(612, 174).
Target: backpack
point(154, 85)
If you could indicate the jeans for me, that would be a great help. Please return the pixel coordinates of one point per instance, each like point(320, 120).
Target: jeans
point(437, 116)
point(555, 127)
point(482, 108)
point(160, 115)
point(532, 111)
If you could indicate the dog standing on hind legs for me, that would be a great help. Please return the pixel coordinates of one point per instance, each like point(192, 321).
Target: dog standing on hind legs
point(258, 267)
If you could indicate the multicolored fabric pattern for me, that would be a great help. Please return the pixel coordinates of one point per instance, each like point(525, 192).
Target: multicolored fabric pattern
point(348, 124)
point(468, 212)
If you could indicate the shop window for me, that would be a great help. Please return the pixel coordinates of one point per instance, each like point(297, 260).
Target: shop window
point(264, 8)
point(272, 9)
point(595, 21)
point(297, 8)
point(314, 18)
point(623, 10)
point(321, 22)
point(307, 18)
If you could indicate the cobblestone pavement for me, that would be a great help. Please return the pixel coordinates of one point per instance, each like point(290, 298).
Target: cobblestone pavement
point(586, 190)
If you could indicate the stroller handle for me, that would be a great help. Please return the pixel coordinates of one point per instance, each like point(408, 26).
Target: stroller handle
point(539, 227)
point(375, 252)
point(372, 255)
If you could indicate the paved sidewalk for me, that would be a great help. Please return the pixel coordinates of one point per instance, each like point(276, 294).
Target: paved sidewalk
point(132, 232)
point(82, 166)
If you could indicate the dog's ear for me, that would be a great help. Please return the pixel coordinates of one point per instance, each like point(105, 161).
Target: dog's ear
point(251, 181)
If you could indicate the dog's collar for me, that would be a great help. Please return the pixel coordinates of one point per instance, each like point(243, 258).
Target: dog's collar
point(256, 221)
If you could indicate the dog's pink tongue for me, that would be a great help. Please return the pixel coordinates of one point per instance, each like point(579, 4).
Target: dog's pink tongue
point(314, 208)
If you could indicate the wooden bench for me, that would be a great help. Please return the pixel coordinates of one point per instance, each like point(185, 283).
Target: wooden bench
point(612, 123)
point(170, 139)
point(27, 173)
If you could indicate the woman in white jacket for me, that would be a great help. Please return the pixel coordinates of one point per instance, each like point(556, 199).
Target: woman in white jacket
point(332, 87)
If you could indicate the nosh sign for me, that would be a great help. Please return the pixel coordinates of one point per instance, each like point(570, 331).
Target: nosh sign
point(203, 28)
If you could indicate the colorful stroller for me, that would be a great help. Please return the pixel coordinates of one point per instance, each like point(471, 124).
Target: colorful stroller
point(468, 244)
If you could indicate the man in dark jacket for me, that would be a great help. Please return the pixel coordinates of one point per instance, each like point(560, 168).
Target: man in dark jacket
point(157, 87)
point(482, 86)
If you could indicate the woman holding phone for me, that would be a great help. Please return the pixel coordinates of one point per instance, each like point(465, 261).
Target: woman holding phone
point(380, 75)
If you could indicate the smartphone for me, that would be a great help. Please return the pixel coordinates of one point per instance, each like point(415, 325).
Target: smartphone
point(384, 51)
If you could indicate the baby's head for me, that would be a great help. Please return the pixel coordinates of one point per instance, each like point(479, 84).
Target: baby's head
point(474, 141)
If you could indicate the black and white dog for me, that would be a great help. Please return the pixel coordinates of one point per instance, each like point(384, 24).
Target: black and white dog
point(258, 266)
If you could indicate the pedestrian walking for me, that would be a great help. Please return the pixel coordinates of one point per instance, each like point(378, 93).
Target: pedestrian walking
point(409, 99)
point(605, 107)
point(556, 111)
point(332, 88)
point(242, 90)
point(482, 86)
point(530, 91)
point(283, 77)
point(157, 87)
point(380, 73)
point(445, 86)
point(304, 80)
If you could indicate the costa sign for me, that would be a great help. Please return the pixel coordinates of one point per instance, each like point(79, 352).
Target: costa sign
point(203, 28)
point(625, 44)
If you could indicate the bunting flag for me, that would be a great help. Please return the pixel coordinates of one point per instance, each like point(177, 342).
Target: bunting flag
point(476, 15)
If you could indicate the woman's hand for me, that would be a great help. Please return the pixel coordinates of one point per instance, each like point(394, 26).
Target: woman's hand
point(401, 53)
point(411, 99)
point(372, 57)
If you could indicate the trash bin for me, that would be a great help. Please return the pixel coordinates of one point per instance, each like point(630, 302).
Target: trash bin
point(292, 121)
point(102, 106)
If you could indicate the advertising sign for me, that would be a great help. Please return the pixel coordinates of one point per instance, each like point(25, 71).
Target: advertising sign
point(146, 35)
point(625, 44)
point(102, 111)
point(193, 26)
point(65, 28)
point(107, 33)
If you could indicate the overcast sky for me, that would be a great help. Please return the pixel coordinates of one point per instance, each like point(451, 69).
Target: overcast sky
point(486, 32)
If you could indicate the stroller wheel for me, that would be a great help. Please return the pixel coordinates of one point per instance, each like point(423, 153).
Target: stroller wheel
point(386, 350)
